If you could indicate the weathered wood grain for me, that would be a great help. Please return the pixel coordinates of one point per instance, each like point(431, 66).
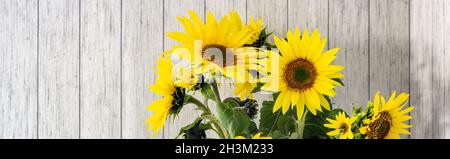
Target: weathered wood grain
point(349, 31)
point(172, 9)
point(100, 70)
point(307, 14)
point(58, 69)
point(446, 72)
point(18, 68)
point(389, 47)
point(221, 8)
point(273, 13)
point(429, 63)
point(142, 43)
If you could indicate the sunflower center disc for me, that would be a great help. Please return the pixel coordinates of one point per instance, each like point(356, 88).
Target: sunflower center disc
point(343, 127)
point(219, 55)
point(380, 128)
point(300, 74)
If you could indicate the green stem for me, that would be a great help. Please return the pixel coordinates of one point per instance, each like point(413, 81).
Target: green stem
point(216, 91)
point(200, 105)
point(218, 102)
point(207, 115)
point(220, 129)
point(301, 125)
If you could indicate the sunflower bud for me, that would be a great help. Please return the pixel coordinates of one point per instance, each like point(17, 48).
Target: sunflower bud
point(250, 106)
point(196, 132)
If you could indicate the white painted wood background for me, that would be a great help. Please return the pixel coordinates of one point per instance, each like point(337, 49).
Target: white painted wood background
point(81, 68)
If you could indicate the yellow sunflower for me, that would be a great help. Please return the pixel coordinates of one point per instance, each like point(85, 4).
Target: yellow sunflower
point(388, 120)
point(256, 136)
point(302, 74)
point(218, 47)
point(342, 126)
point(172, 96)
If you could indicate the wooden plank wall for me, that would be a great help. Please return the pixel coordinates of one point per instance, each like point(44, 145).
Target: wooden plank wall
point(81, 68)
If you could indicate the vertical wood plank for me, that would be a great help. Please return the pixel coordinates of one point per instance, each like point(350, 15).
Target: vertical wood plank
point(422, 39)
point(18, 68)
point(172, 9)
point(221, 8)
point(309, 14)
point(58, 69)
point(446, 75)
point(429, 81)
point(100, 70)
point(142, 43)
point(273, 13)
point(389, 46)
point(349, 30)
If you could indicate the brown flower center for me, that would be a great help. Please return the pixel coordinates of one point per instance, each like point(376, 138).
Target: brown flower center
point(380, 128)
point(219, 55)
point(343, 128)
point(300, 74)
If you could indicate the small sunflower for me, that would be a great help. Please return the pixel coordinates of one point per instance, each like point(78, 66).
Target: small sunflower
point(388, 120)
point(256, 27)
point(256, 136)
point(172, 96)
point(342, 126)
point(303, 74)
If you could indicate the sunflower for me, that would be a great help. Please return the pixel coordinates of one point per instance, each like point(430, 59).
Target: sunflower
point(256, 136)
point(388, 120)
point(342, 126)
point(303, 74)
point(218, 47)
point(172, 96)
point(256, 27)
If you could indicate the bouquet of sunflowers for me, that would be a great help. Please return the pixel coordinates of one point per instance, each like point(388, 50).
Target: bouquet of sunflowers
point(297, 71)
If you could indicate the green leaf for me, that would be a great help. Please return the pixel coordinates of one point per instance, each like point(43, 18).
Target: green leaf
point(276, 124)
point(235, 121)
point(314, 128)
point(252, 129)
point(208, 92)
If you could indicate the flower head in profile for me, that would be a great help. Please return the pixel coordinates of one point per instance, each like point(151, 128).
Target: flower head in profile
point(172, 98)
point(303, 73)
point(342, 126)
point(389, 118)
